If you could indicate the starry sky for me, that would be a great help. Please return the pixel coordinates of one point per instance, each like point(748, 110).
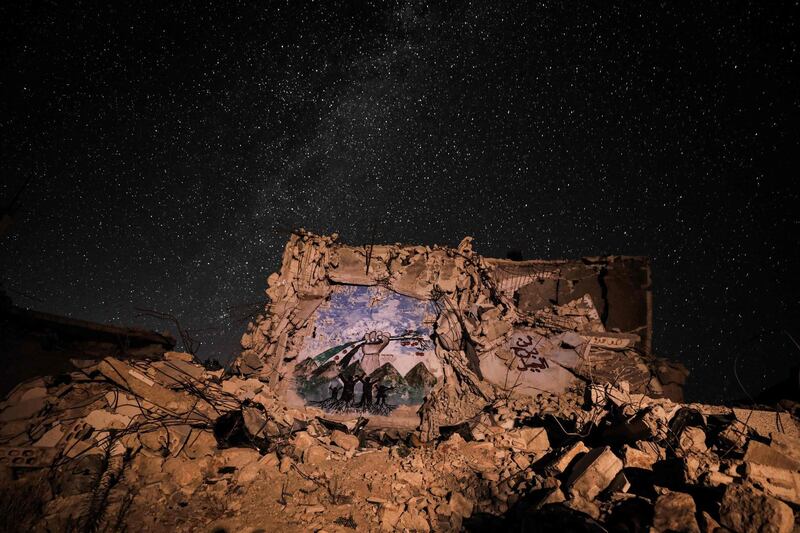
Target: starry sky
point(171, 146)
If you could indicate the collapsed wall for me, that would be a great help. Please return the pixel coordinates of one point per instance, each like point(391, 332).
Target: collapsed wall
point(419, 335)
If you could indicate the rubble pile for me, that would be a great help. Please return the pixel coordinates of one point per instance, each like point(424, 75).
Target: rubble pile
point(539, 416)
point(169, 445)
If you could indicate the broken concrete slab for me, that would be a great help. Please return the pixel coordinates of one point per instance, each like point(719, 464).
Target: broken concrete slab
point(125, 405)
point(412, 520)
point(351, 268)
point(33, 393)
point(414, 280)
point(249, 364)
point(734, 436)
point(583, 506)
point(175, 374)
point(239, 457)
point(635, 458)
point(529, 440)
point(593, 472)
point(314, 455)
point(786, 445)
point(602, 393)
point(255, 420)
point(565, 457)
point(760, 453)
point(138, 383)
point(648, 424)
point(22, 390)
point(620, 483)
point(765, 423)
point(199, 443)
point(389, 514)
point(102, 419)
point(777, 482)
point(717, 479)
point(302, 441)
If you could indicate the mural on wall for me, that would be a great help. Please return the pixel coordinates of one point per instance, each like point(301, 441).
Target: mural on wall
point(370, 351)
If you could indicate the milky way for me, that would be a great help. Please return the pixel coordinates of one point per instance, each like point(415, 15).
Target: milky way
point(170, 150)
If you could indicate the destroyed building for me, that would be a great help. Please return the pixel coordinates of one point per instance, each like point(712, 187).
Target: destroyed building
point(445, 324)
point(403, 388)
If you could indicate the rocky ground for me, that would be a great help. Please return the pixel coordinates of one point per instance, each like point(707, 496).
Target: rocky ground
point(172, 446)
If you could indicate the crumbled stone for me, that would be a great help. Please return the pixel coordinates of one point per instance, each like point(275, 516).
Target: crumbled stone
point(693, 439)
point(344, 441)
point(186, 474)
point(249, 473)
point(270, 460)
point(744, 508)
point(178, 356)
point(460, 505)
point(314, 455)
point(635, 458)
point(412, 520)
point(734, 436)
point(285, 464)
point(675, 511)
point(23, 410)
point(593, 473)
point(389, 514)
point(302, 441)
point(239, 457)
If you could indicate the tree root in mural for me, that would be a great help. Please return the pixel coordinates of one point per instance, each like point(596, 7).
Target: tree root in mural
point(341, 406)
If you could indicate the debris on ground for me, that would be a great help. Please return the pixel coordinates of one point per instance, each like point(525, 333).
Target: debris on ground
point(171, 444)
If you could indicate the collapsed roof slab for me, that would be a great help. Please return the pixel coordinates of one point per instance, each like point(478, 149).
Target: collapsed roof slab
point(620, 287)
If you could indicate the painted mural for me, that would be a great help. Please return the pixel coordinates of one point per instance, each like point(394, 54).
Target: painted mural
point(370, 351)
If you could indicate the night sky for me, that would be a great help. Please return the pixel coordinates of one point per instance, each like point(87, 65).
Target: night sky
point(170, 148)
